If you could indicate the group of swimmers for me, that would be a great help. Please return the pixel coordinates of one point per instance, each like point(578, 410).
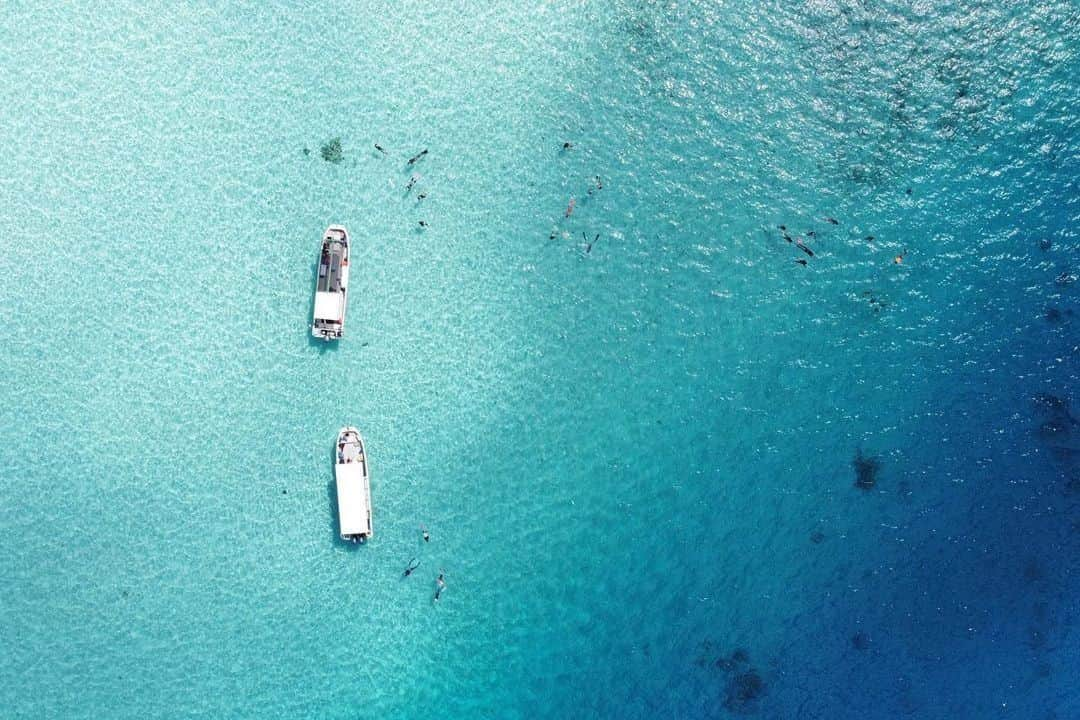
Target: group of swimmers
point(413, 178)
point(797, 242)
point(440, 582)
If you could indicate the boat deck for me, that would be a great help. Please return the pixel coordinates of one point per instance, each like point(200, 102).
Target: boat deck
point(330, 263)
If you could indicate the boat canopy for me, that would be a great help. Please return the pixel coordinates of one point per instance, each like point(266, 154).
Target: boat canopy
point(354, 512)
point(328, 306)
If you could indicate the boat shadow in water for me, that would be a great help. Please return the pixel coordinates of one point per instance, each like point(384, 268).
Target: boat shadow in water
point(323, 346)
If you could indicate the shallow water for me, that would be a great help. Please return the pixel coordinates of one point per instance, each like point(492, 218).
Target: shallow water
point(633, 451)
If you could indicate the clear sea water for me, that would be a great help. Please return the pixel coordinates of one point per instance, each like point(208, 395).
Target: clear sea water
point(634, 452)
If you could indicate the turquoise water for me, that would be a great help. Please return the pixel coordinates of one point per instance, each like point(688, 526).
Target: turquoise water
point(634, 452)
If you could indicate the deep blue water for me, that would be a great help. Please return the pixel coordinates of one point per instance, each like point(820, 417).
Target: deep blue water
point(632, 431)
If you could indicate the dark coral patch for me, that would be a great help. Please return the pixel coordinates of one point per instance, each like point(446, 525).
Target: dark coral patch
point(743, 691)
point(866, 470)
point(332, 151)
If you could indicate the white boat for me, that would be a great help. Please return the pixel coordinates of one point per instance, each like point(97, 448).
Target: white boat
point(331, 285)
point(353, 486)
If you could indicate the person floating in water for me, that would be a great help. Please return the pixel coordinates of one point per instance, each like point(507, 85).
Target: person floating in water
point(412, 181)
point(427, 536)
point(869, 238)
point(834, 221)
point(440, 585)
point(380, 148)
point(421, 196)
point(417, 156)
point(801, 262)
point(899, 258)
point(808, 251)
point(423, 223)
point(413, 564)
point(567, 145)
point(570, 207)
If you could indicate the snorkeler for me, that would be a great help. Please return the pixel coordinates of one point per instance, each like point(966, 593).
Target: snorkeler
point(417, 156)
point(413, 564)
point(808, 251)
point(380, 148)
point(412, 181)
point(899, 258)
point(423, 530)
point(567, 145)
point(423, 223)
point(834, 221)
point(801, 262)
point(570, 207)
point(440, 585)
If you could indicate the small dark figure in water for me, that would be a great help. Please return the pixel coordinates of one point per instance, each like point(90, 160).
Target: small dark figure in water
point(787, 237)
point(567, 145)
point(866, 470)
point(413, 564)
point(811, 233)
point(801, 262)
point(869, 238)
point(784, 228)
point(440, 585)
point(1045, 244)
point(412, 181)
point(423, 224)
point(307, 151)
point(599, 185)
point(817, 537)
point(417, 156)
point(860, 641)
point(380, 148)
point(808, 251)
point(421, 196)
point(427, 536)
point(1065, 278)
point(833, 221)
point(909, 191)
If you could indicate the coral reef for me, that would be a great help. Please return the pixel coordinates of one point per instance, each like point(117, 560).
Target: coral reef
point(332, 151)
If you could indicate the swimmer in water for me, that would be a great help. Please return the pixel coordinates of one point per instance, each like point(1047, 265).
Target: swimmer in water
point(811, 233)
point(801, 262)
point(413, 564)
point(567, 145)
point(440, 585)
point(417, 156)
point(869, 238)
point(899, 258)
point(570, 207)
point(423, 223)
point(412, 181)
point(380, 148)
point(421, 196)
point(424, 531)
point(784, 228)
point(834, 221)
point(808, 251)
point(787, 237)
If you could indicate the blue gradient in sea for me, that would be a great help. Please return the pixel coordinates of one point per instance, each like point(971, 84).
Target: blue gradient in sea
point(632, 431)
